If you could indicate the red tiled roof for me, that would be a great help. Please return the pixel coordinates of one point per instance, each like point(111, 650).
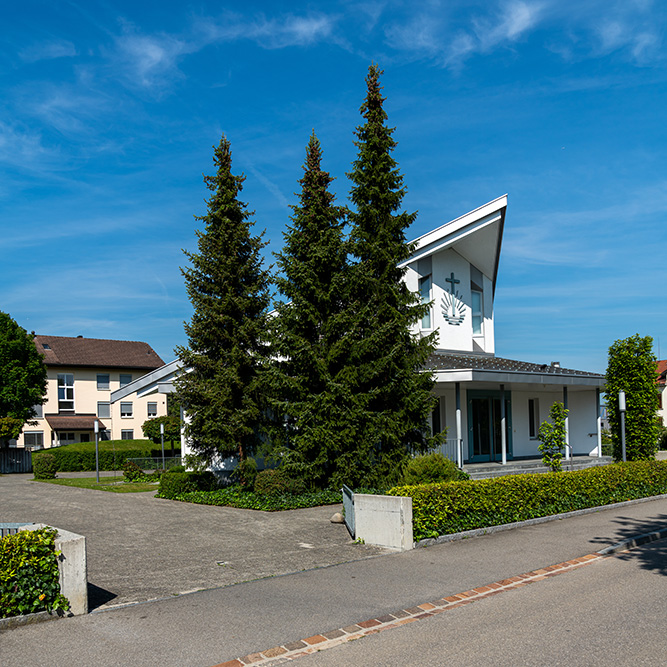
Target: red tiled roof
point(662, 371)
point(95, 352)
point(73, 422)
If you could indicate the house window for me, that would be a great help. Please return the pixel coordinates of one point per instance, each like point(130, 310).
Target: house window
point(84, 437)
point(65, 392)
point(127, 435)
point(105, 434)
point(425, 296)
point(33, 439)
point(125, 379)
point(533, 418)
point(126, 409)
point(66, 438)
point(39, 411)
point(103, 380)
point(152, 409)
point(477, 315)
point(104, 409)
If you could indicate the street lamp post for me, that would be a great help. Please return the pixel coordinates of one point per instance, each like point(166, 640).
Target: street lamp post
point(621, 407)
point(97, 450)
point(162, 439)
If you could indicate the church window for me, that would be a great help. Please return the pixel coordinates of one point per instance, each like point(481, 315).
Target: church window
point(425, 295)
point(477, 314)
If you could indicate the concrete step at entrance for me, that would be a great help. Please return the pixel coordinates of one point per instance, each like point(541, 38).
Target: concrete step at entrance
point(532, 466)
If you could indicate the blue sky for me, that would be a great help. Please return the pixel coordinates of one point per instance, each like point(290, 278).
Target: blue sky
point(109, 111)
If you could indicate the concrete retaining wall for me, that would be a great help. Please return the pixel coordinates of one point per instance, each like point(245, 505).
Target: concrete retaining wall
point(384, 520)
point(73, 568)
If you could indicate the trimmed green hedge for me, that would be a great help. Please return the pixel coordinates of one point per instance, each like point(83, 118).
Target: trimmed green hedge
point(173, 484)
point(233, 496)
point(113, 453)
point(441, 509)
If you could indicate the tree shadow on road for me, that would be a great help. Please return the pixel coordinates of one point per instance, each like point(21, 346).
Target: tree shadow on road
point(654, 557)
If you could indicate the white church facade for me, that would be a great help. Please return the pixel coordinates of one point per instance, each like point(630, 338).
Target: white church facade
point(491, 407)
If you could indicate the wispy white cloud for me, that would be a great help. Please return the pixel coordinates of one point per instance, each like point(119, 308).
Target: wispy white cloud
point(22, 147)
point(59, 48)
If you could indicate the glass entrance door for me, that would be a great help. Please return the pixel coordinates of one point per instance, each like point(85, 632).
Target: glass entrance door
point(484, 426)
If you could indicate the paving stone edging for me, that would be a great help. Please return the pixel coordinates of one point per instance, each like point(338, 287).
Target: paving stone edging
point(489, 530)
point(303, 647)
point(27, 619)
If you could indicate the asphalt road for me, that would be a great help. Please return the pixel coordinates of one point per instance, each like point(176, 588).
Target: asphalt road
point(213, 626)
point(611, 612)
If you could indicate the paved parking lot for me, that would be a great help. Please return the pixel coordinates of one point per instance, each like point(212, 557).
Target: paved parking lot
point(141, 547)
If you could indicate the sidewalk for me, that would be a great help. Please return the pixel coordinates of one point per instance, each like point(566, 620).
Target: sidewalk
point(214, 626)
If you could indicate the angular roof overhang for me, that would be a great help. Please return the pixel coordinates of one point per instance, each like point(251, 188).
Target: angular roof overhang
point(158, 381)
point(477, 236)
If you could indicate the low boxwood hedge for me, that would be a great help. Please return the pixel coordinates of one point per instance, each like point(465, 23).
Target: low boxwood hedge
point(174, 484)
point(234, 496)
point(113, 453)
point(452, 507)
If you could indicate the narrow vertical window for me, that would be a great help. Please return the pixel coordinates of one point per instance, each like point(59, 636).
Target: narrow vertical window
point(476, 313)
point(436, 423)
point(533, 417)
point(425, 295)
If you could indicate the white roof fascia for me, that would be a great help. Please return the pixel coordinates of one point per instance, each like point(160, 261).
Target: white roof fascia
point(517, 377)
point(457, 229)
point(149, 383)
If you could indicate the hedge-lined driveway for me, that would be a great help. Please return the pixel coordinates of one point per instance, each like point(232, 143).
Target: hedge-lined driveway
point(141, 547)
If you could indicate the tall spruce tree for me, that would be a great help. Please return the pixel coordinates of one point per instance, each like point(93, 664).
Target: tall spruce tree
point(307, 329)
point(392, 393)
point(228, 288)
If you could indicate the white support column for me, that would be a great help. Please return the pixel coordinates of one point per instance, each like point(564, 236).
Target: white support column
point(567, 427)
point(503, 425)
point(599, 421)
point(459, 440)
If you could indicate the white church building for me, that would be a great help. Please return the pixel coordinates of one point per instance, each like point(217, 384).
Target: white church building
point(492, 407)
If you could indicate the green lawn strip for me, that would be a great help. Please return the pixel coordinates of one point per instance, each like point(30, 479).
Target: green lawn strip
point(442, 509)
point(233, 496)
point(112, 484)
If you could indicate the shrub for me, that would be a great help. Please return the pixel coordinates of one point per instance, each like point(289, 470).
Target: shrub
point(29, 573)
point(431, 468)
point(273, 482)
point(44, 466)
point(440, 509)
point(552, 437)
point(175, 483)
point(245, 473)
point(175, 469)
point(132, 472)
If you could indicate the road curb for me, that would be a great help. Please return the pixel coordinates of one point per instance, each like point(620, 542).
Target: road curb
point(633, 542)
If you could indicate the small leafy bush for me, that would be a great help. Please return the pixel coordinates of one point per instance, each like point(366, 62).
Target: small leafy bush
point(175, 469)
point(176, 483)
point(553, 437)
point(44, 466)
point(245, 473)
point(275, 482)
point(432, 468)
point(132, 472)
point(234, 496)
point(441, 509)
point(29, 573)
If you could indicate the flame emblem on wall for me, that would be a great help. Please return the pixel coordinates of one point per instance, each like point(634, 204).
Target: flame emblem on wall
point(453, 308)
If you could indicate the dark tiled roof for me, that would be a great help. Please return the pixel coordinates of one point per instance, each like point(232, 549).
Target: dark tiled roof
point(448, 361)
point(73, 422)
point(64, 351)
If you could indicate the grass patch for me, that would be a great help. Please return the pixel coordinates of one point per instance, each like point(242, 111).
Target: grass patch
point(112, 484)
point(233, 496)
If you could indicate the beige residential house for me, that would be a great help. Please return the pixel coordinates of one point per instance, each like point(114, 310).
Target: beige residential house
point(81, 374)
